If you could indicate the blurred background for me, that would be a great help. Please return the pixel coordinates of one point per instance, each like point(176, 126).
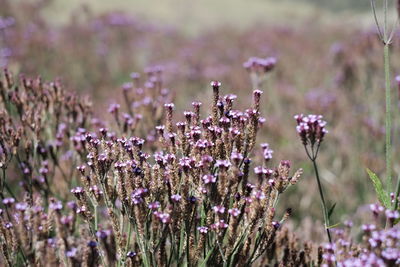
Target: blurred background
point(329, 62)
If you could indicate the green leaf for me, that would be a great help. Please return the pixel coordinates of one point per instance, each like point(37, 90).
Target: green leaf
point(333, 226)
point(331, 210)
point(383, 196)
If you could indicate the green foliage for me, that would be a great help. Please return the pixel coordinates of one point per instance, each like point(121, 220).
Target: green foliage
point(342, 5)
point(330, 212)
point(383, 195)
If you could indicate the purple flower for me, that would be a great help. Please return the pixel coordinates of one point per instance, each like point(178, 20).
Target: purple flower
point(131, 254)
point(163, 217)
point(56, 205)
point(92, 244)
point(222, 164)
point(236, 157)
point(219, 209)
point(202, 229)
point(113, 108)
point(208, 178)
point(368, 227)
point(376, 209)
point(215, 85)
point(219, 225)
point(234, 212)
point(311, 128)
point(154, 205)
point(21, 206)
point(392, 214)
point(78, 191)
point(103, 234)
point(176, 198)
point(8, 201)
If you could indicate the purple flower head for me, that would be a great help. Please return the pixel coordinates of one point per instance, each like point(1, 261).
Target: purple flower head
point(368, 227)
point(257, 93)
point(236, 157)
point(81, 169)
point(202, 229)
point(222, 164)
point(219, 225)
point(192, 199)
point(258, 194)
point(131, 254)
point(392, 214)
point(276, 224)
point(285, 163)
point(195, 133)
point(136, 170)
point(102, 157)
point(137, 142)
point(234, 212)
point(230, 98)
point(154, 205)
point(137, 195)
point(8, 201)
point(215, 85)
point(176, 198)
point(311, 128)
point(209, 178)
point(92, 244)
point(56, 205)
point(134, 75)
point(127, 86)
point(81, 210)
point(163, 217)
point(348, 223)
point(260, 65)
point(78, 191)
point(267, 152)
point(219, 209)
point(66, 220)
point(169, 106)
point(224, 122)
point(376, 209)
point(103, 234)
point(119, 165)
point(113, 108)
point(260, 171)
point(181, 126)
point(95, 190)
point(43, 170)
point(186, 163)
point(21, 206)
point(196, 104)
point(8, 225)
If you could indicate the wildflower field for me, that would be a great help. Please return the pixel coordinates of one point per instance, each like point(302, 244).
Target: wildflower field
point(266, 134)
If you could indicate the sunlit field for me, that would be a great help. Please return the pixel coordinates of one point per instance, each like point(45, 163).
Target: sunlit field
point(199, 133)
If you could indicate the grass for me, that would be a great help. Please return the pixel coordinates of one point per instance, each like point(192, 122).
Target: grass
point(194, 16)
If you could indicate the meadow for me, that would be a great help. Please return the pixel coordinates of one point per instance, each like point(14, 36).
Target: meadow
point(177, 134)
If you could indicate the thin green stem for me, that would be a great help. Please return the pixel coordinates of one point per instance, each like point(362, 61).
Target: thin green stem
point(128, 241)
point(396, 200)
point(323, 203)
point(388, 124)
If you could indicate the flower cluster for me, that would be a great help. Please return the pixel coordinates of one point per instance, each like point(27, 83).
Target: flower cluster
point(194, 179)
point(258, 69)
point(260, 65)
point(311, 129)
point(182, 190)
point(379, 247)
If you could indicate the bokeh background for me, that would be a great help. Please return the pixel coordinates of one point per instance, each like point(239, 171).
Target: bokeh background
point(329, 62)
